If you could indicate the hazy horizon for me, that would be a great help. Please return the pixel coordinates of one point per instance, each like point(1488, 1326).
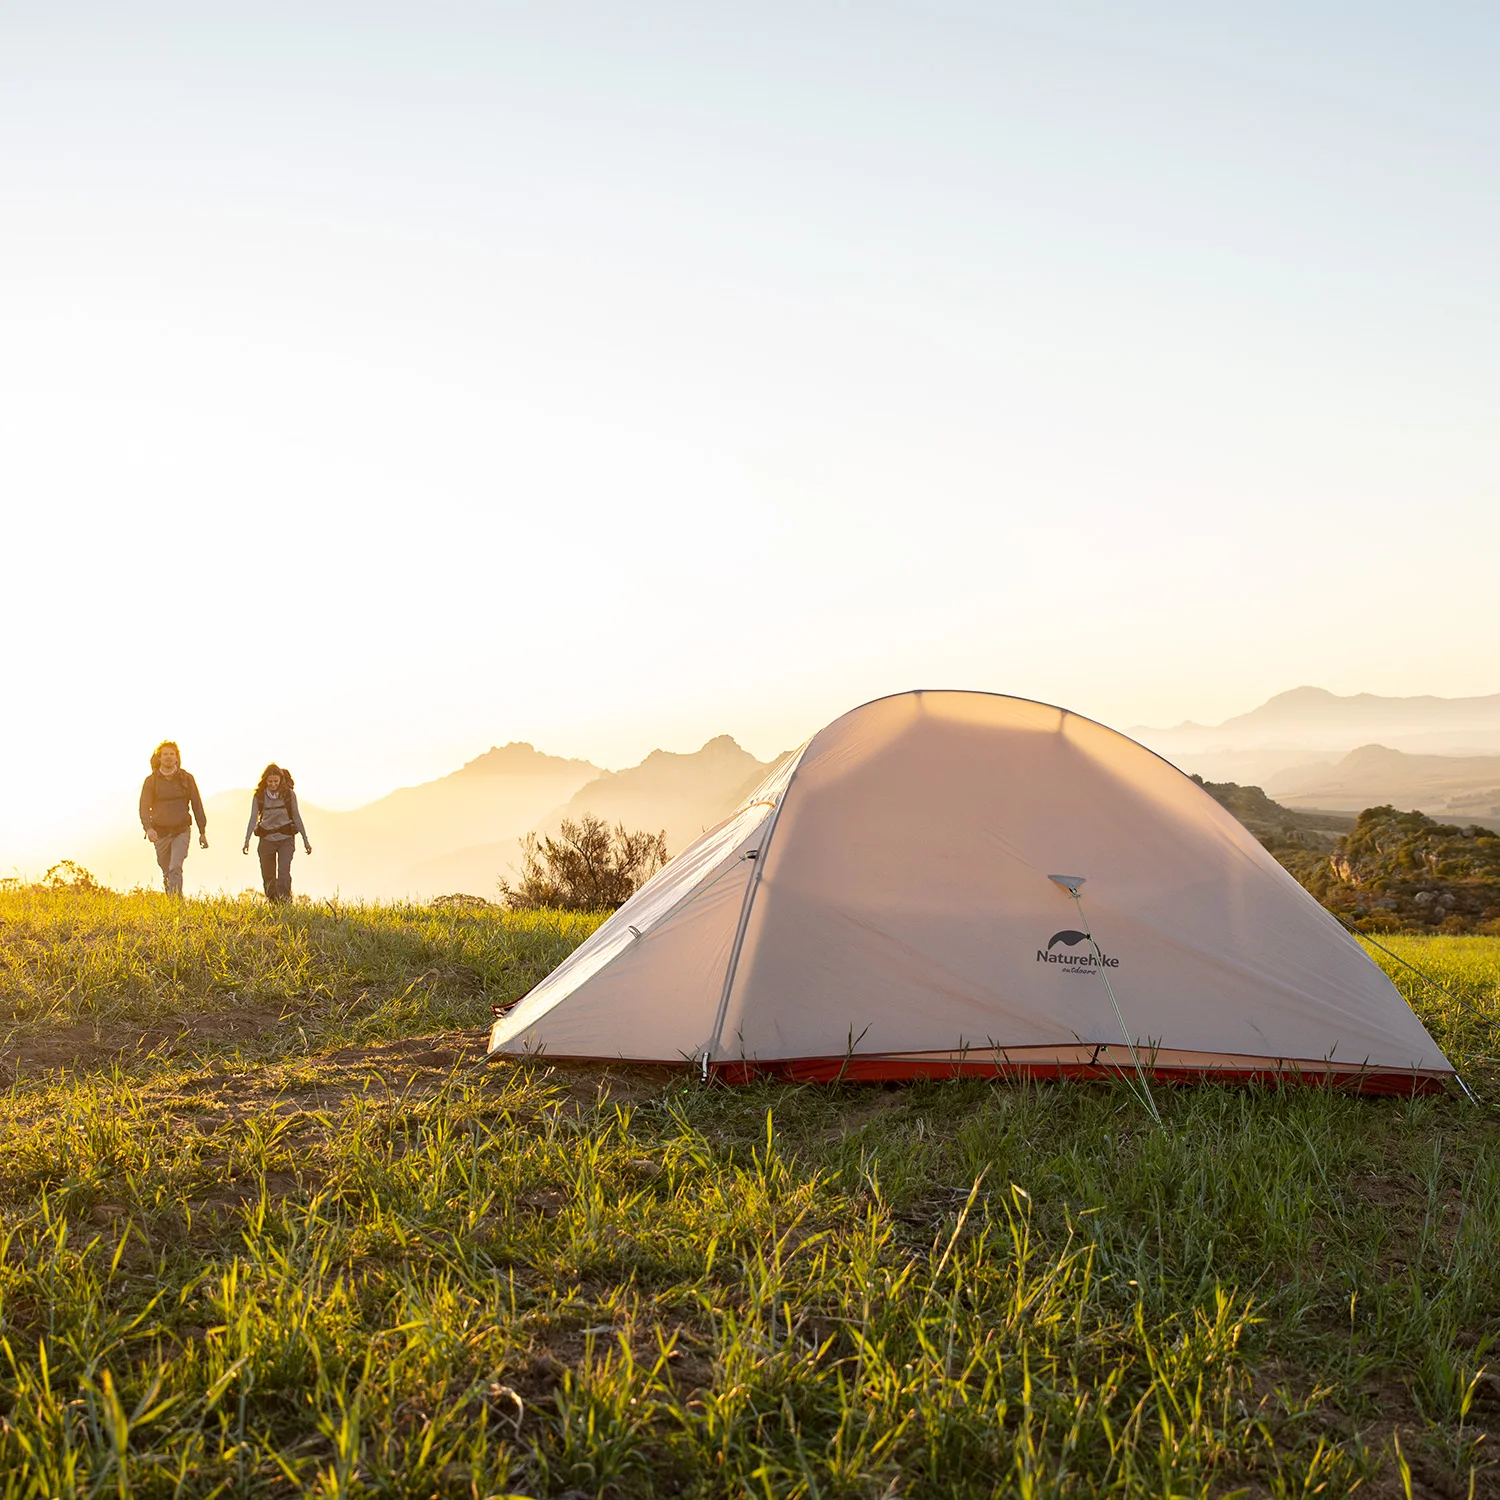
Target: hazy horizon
point(28, 851)
point(382, 383)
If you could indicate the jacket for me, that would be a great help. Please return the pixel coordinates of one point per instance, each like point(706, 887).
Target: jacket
point(166, 801)
point(289, 829)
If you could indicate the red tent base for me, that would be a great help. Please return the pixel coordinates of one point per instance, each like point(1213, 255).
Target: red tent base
point(1271, 1073)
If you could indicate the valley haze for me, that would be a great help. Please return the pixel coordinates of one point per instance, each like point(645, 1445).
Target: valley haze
point(1308, 748)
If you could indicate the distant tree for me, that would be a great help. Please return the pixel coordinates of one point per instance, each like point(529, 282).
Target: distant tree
point(68, 876)
point(589, 866)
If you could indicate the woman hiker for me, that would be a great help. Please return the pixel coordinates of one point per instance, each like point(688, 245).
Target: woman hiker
point(275, 820)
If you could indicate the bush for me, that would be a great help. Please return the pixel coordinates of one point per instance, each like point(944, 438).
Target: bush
point(587, 867)
point(68, 876)
point(461, 901)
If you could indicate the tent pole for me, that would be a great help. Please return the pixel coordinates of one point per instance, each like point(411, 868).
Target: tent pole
point(734, 953)
point(762, 850)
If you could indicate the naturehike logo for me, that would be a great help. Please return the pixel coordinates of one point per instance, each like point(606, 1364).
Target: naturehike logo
point(1074, 963)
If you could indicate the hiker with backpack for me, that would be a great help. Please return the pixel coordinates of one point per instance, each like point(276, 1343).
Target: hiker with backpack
point(276, 821)
point(169, 805)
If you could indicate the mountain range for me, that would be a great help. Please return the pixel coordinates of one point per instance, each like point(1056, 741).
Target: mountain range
point(460, 832)
point(1308, 748)
point(1308, 727)
point(680, 795)
point(1454, 786)
point(1311, 713)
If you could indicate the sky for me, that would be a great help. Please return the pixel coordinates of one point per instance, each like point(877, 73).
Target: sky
point(381, 382)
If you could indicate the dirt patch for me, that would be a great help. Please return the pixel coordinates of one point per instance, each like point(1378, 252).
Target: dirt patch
point(1431, 1478)
point(1398, 1420)
point(854, 1119)
point(415, 1067)
point(587, 1087)
point(231, 1195)
point(416, 1055)
point(408, 1067)
point(85, 1047)
point(687, 1363)
point(1406, 1205)
point(411, 1068)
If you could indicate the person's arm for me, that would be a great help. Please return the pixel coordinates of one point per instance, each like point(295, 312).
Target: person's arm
point(250, 826)
point(146, 805)
point(296, 812)
point(198, 814)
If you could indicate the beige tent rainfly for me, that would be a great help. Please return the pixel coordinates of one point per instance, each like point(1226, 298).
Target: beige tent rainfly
point(885, 907)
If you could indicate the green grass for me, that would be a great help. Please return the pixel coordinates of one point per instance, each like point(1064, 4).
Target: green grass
point(270, 1232)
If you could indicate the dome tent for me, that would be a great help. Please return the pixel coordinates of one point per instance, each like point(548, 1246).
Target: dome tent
point(882, 908)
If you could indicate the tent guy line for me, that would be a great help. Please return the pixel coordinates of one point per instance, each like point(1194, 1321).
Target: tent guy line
point(1071, 883)
point(1426, 979)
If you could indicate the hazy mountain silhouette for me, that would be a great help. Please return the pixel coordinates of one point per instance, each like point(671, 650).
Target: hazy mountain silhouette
point(1309, 726)
point(1314, 715)
point(461, 832)
point(683, 794)
point(678, 794)
point(1451, 786)
point(495, 794)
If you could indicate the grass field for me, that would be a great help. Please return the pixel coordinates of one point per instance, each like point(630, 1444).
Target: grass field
point(265, 1229)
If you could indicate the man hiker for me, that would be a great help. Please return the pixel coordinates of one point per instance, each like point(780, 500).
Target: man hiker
point(168, 795)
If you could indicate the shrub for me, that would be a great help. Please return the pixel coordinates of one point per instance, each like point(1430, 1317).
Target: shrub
point(68, 876)
point(589, 866)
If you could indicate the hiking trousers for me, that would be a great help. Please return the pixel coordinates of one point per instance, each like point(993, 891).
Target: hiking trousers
point(276, 867)
point(171, 850)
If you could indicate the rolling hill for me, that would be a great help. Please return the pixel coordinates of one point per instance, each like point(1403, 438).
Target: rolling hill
point(1311, 715)
point(1295, 737)
point(1459, 786)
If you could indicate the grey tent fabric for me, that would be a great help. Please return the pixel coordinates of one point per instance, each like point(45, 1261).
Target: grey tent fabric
point(881, 908)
